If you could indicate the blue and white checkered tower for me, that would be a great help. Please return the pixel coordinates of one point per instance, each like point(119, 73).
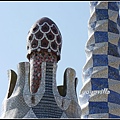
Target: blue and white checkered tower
point(100, 94)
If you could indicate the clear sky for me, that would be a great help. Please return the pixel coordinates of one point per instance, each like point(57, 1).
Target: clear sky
point(16, 18)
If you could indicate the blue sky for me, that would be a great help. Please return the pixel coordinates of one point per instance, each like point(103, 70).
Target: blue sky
point(16, 18)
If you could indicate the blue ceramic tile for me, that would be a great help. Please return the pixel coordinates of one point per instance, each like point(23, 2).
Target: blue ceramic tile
point(113, 116)
point(93, 25)
point(119, 46)
point(113, 73)
point(112, 27)
point(113, 50)
point(98, 107)
point(118, 21)
point(99, 83)
point(113, 6)
point(100, 60)
point(101, 36)
point(101, 14)
point(114, 97)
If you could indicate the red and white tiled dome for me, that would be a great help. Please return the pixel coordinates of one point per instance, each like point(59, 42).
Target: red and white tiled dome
point(44, 35)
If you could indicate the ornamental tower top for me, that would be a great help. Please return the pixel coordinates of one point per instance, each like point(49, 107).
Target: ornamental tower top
point(45, 36)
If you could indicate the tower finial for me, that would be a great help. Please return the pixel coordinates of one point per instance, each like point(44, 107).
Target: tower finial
point(44, 35)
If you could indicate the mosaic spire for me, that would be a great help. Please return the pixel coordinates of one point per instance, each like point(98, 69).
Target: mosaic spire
point(33, 93)
point(100, 94)
point(44, 43)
